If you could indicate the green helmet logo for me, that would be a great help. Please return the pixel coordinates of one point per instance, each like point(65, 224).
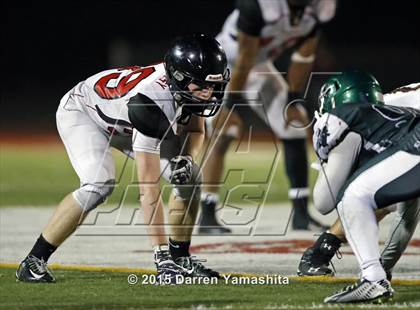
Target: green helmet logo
point(349, 87)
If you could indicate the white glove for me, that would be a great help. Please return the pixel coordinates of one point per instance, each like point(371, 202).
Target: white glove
point(182, 169)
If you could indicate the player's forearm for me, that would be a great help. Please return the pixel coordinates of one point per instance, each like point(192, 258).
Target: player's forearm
point(298, 75)
point(333, 175)
point(301, 65)
point(194, 134)
point(194, 144)
point(247, 55)
point(148, 172)
point(240, 74)
point(152, 205)
point(325, 190)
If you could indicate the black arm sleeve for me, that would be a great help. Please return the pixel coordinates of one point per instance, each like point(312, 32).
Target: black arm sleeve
point(147, 117)
point(250, 19)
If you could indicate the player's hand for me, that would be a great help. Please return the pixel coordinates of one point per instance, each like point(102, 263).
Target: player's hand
point(182, 169)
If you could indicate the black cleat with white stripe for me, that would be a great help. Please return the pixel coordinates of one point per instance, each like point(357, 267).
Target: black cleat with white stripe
point(34, 270)
point(168, 272)
point(193, 267)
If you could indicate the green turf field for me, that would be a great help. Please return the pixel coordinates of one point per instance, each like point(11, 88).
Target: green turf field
point(106, 290)
point(42, 175)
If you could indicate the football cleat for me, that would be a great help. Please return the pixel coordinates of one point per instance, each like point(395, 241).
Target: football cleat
point(34, 270)
point(313, 263)
point(208, 223)
point(193, 267)
point(215, 230)
point(167, 270)
point(316, 260)
point(363, 291)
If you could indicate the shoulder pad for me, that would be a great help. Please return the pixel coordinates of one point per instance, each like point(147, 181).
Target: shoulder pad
point(329, 131)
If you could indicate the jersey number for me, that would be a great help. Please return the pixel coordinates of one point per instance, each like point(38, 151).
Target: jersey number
point(124, 85)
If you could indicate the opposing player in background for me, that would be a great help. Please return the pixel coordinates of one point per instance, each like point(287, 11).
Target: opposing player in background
point(255, 34)
point(316, 259)
point(370, 155)
point(137, 110)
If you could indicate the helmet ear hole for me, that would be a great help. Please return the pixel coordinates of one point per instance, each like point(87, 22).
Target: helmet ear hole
point(337, 85)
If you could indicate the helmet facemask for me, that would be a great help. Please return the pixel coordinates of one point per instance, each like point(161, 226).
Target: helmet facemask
point(179, 83)
point(326, 100)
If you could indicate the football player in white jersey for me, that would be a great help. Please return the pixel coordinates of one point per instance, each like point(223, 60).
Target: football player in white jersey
point(253, 36)
point(137, 110)
point(370, 159)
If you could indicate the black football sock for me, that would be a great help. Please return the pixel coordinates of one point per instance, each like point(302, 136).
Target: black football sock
point(300, 212)
point(300, 206)
point(296, 162)
point(179, 248)
point(208, 213)
point(42, 249)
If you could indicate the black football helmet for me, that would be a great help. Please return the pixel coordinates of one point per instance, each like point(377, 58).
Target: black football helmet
point(197, 59)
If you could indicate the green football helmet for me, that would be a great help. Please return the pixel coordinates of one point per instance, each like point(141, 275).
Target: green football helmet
point(349, 87)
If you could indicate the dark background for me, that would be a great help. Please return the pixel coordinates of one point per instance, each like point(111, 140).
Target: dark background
point(47, 48)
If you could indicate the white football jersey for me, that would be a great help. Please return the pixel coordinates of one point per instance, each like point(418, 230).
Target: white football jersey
point(277, 33)
point(105, 98)
point(404, 96)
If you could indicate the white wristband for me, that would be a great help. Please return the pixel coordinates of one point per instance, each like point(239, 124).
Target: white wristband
point(297, 57)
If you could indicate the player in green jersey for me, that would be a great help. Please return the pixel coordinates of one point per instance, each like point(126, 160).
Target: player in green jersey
point(371, 159)
point(316, 259)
